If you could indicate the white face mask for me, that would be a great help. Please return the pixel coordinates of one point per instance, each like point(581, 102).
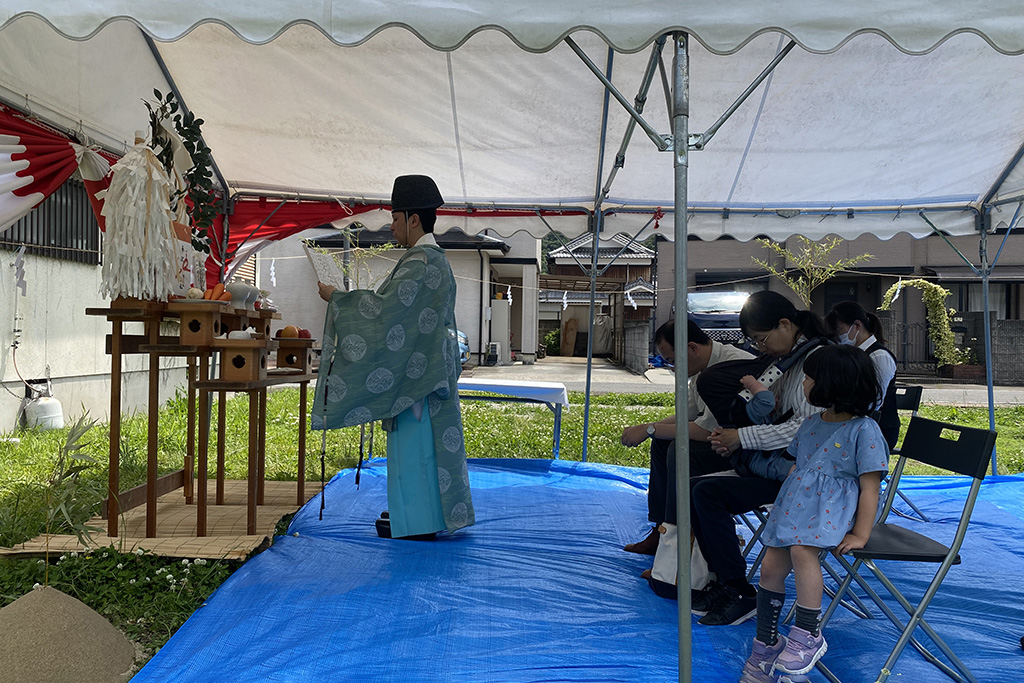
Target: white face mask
point(850, 337)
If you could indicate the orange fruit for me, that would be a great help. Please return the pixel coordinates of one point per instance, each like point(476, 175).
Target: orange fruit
point(290, 331)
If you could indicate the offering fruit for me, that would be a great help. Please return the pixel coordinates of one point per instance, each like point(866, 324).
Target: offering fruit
point(289, 332)
point(304, 333)
point(194, 293)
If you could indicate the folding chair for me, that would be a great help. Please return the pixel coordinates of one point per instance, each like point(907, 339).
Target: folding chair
point(858, 607)
point(908, 397)
point(963, 450)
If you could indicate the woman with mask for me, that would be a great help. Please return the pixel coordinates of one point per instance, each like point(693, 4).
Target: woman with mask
point(853, 325)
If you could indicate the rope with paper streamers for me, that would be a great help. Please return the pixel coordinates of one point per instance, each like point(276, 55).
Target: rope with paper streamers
point(140, 251)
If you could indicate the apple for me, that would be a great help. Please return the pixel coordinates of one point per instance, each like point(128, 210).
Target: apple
point(304, 333)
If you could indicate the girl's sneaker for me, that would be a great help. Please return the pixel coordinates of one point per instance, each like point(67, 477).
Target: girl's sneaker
point(793, 678)
point(802, 652)
point(759, 665)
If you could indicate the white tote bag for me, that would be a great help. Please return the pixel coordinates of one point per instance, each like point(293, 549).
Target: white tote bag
point(666, 563)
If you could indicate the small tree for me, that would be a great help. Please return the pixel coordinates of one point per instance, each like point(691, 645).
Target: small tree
point(67, 497)
point(946, 352)
point(812, 261)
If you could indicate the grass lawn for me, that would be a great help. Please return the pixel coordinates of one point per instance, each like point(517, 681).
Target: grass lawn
point(149, 597)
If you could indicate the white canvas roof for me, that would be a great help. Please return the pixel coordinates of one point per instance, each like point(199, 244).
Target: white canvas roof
point(885, 108)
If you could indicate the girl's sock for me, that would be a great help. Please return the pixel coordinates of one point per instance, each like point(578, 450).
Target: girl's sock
point(807, 619)
point(769, 608)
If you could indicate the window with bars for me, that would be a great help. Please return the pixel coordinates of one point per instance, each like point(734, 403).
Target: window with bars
point(62, 227)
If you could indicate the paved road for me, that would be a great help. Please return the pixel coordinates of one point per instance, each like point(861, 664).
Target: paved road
point(610, 378)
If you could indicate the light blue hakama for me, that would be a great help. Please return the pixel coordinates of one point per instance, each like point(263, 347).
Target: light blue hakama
point(414, 499)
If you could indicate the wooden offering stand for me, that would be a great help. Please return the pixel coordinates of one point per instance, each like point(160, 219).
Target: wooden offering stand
point(201, 321)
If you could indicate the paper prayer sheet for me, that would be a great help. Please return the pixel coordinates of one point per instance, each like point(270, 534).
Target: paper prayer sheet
point(326, 268)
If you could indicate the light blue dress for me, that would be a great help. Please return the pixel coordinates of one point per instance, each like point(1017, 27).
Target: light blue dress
point(817, 503)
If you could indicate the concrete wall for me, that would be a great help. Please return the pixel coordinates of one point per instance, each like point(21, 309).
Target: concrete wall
point(638, 341)
point(57, 336)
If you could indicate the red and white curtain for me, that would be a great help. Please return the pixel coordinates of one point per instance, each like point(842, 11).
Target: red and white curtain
point(34, 162)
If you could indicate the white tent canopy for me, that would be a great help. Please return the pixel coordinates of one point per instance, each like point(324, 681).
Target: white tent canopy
point(863, 126)
point(891, 109)
point(916, 26)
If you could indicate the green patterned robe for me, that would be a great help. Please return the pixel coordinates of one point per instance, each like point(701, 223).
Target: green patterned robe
point(392, 348)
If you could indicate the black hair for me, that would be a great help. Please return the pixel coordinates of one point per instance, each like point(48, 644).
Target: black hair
point(850, 312)
point(695, 334)
point(428, 217)
point(844, 379)
point(667, 333)
point(763, 310)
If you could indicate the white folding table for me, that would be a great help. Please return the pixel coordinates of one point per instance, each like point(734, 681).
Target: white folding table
point(551, 394)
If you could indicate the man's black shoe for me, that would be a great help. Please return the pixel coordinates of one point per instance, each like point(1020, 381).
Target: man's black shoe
point(731, 608)
point(384, 531)
point(704, 600)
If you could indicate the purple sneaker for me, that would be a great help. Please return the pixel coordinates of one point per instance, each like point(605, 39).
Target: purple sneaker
point(759, 665)
point(802, 652)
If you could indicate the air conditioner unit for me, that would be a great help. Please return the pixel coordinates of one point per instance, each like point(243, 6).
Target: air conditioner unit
point(493, 353)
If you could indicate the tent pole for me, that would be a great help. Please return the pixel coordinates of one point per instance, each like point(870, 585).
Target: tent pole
point(638, 103)
point(983, 221)
point(654, 135)
point(680, 162)
point(598, 221)
point(702, 139)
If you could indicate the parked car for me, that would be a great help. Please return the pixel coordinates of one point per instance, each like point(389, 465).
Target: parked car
point(717, 313)
point(463, 347)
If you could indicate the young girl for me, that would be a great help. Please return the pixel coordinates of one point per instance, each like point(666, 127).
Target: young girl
point(829, 500)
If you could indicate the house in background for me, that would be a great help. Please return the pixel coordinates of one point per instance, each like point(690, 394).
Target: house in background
point(485, 269)
point(623, 301)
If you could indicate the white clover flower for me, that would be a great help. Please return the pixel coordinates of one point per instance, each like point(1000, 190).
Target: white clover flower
point(62, 557)
point(161, 570)
point(148, 579)
point(120, 565)
point(170, 577)
point(131, 581)
point(41, 561)
point(184, 563)
point(139, 551)
point(74, 554)
point(36, 586)
point(201, 561)
point(185, 570)
point(104, 554)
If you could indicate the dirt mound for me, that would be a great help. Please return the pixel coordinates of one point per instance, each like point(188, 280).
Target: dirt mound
point(49, 637)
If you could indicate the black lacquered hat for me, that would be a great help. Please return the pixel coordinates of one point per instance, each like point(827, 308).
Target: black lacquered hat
point(415, 192)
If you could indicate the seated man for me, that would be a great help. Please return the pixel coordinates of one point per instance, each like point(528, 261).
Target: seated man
point(701, 353)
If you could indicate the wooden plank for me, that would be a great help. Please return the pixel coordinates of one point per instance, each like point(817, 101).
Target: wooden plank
point(133, 343)
point(153, 420)
point(133, 498)
point(274, 377)
point(112, 507)
point(172, 349)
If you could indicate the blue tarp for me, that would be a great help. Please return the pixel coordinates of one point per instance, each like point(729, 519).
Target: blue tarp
point(540, 590)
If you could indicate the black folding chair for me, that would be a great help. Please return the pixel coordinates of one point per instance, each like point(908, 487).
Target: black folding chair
point(908, 398)
point(964, 450)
